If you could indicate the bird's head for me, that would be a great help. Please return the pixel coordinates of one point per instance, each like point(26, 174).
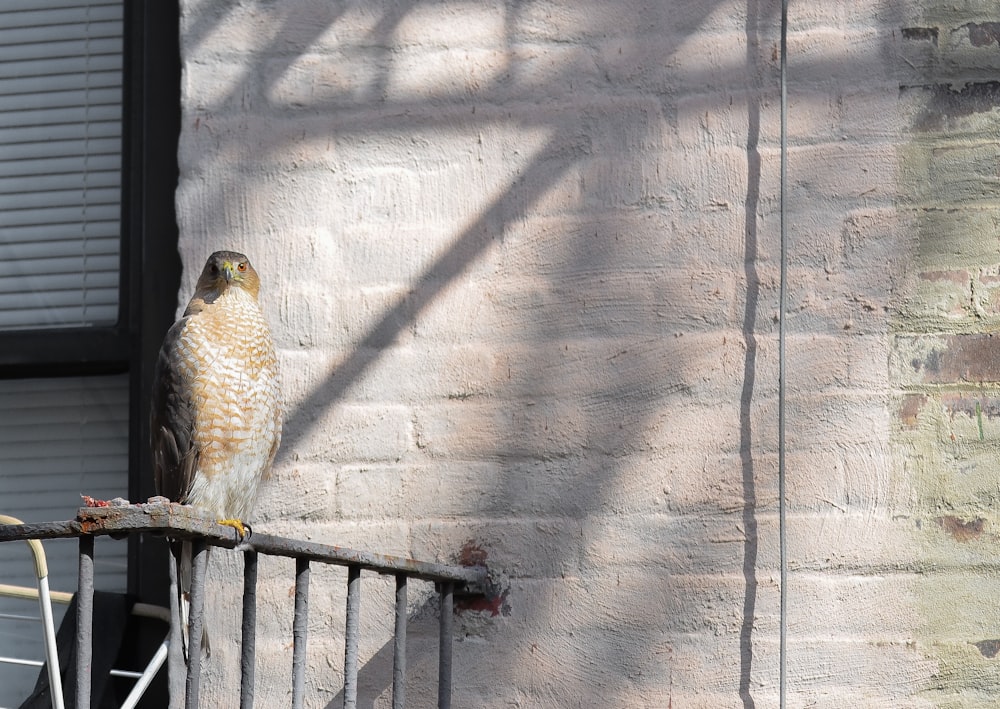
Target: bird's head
point(225, 270)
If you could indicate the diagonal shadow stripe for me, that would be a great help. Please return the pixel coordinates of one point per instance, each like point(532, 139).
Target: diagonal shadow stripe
point(565, 148)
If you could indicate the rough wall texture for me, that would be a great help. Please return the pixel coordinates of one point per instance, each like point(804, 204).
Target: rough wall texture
point(521, 260)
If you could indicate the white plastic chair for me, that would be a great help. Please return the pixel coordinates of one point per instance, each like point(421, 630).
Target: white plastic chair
point(45, 598)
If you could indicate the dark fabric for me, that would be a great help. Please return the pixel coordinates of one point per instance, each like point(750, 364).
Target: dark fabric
point(111, 613)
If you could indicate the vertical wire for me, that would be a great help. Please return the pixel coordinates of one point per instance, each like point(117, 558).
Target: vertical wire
point(783, 294)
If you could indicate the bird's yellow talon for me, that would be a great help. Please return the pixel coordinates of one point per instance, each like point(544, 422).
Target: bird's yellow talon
point(235, 524)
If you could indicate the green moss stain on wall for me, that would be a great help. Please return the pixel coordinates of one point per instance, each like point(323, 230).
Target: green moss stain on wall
point(945, 361)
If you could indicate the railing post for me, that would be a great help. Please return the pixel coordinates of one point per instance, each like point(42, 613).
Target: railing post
point(199, 562)
point(248, 646)
point(176, 667)
point(351, 635)
point(444, 660)
point(85, 622)
point(399, 646)
point(300, 631)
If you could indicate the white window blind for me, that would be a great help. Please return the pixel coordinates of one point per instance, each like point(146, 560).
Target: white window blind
point(60, 158)
point(59, 438)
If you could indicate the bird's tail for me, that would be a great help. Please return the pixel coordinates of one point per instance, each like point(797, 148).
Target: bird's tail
point(182, 557)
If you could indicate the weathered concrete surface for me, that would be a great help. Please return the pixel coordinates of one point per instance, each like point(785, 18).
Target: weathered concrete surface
point(521, 260)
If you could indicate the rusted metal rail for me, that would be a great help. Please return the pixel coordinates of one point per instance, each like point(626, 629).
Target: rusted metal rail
point(185, 523)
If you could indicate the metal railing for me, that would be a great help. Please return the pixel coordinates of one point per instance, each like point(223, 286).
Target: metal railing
point(184, 523)
point(45, 598)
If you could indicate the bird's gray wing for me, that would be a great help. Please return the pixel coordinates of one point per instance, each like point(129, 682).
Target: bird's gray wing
point(175, 458)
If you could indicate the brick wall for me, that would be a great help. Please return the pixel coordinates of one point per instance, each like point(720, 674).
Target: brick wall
point(943, 360)
point(521, 260)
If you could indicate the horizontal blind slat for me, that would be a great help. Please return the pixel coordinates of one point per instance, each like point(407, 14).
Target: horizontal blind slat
point(32, 14)
point(62, 165)
point(59, 215)
point(48, 117)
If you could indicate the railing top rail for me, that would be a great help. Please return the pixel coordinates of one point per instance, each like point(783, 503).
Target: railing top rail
point(182, 521)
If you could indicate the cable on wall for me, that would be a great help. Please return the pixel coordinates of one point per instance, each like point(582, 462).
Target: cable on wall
point(782, 297)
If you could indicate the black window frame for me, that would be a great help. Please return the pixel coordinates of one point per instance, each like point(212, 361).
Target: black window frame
point(150, 265)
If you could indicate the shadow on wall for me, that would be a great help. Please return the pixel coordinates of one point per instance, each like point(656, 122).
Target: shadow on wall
point(615, 453)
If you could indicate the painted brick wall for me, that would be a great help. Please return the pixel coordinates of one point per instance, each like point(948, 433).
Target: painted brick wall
point(521, 260)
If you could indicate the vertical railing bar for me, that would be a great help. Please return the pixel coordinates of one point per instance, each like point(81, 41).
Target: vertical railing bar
point(85, 622)
point(176, 667)
point(248, 645)
point(399, 646)
point(444, 660)
point(300, 631)
point(351, 637)
point(196, 621)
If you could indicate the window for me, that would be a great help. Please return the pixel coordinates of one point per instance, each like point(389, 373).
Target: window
point(89, 273)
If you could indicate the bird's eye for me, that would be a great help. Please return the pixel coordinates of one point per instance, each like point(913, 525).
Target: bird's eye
point(242, 267)
point(215, 269)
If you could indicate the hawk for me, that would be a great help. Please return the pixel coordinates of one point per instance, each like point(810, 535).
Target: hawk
point(216, 405)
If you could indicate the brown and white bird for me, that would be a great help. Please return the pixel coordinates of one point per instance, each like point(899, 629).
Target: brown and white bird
point(216, 404)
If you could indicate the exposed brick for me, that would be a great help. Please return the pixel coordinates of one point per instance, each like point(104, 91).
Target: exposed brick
point(958, 358)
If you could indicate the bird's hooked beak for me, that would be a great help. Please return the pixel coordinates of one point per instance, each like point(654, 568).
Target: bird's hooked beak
point(228, 271)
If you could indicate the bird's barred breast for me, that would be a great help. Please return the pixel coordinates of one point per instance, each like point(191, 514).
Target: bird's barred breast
point(231, 369)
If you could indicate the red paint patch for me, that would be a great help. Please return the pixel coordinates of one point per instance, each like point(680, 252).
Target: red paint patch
point(89, 501)
point(493, 604)
point(962, 531)
point(494, 601)
point(912, 405)
point(472, 555)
